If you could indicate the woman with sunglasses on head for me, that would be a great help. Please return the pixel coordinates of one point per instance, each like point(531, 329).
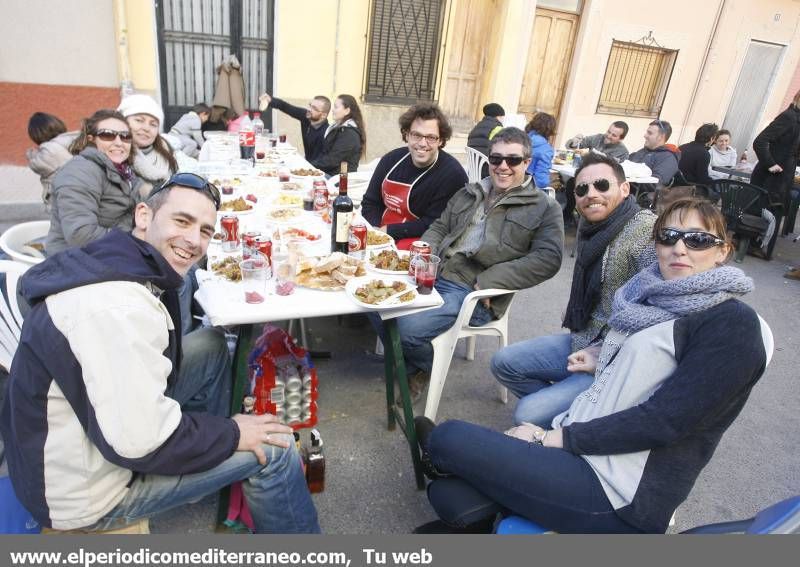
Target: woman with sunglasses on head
point(540, 130)
point(154, 161)
point(670, 378)
point(96, 190)
point(345, 139)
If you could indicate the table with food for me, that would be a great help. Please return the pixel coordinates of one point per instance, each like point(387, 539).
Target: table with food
point(271, 260)
point(566, 162)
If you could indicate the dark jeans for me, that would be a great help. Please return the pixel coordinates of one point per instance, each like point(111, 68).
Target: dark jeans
point(554, 488)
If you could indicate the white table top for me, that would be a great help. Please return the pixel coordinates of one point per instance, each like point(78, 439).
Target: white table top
point(223, 301)
point(569, 171)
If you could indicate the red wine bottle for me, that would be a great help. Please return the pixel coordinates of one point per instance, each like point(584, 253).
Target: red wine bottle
point(342, 215)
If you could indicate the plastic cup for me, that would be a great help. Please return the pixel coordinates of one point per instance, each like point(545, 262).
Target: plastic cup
point(425, 270)
point(255, 273)
point(284, 273)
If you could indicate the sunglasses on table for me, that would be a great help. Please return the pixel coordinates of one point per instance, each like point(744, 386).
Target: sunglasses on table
point(111, 135)
point(512, 161)
point(192, 181)
point(696, 240)
point(601, 185)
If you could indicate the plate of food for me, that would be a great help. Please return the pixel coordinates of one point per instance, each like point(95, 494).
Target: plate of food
point(287, 200)
point(378, 239)
point(381, 293)
point(227, 268)
point(392, 262)
point(239, 206)
point(284, 214)
point(328, 273)
point(292, 186)
point(295, 232)
point(307, 172)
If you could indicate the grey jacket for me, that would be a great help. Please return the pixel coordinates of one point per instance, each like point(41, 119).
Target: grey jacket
point(523, 240)
point(48, 158)
point(662, 162)
point(598, 142)
point(89, 198)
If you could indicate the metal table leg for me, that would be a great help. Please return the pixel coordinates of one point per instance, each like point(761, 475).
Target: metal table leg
point(395, 369)
point(240, 378)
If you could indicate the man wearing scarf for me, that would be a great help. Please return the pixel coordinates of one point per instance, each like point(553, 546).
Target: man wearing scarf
point(614, 243)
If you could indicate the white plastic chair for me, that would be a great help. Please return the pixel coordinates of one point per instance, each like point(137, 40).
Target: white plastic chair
point(14, 241)
point(475, 163)
point(445, 344)
point(10, 316)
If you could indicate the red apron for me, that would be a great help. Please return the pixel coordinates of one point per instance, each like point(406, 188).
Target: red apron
point(395, 198)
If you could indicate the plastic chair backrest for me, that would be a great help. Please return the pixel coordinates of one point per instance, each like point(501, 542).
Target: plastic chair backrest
point(475, 163)
point(15, 239)
point(739, 198)
point(10, 315)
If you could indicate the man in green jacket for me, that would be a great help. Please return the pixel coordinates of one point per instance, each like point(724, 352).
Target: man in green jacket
point(499, 233)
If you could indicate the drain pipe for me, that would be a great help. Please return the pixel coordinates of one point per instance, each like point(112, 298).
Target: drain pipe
point(696, 88)
point(123, 55)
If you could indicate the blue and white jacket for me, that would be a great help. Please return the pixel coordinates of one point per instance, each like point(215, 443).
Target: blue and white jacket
point(86, 408)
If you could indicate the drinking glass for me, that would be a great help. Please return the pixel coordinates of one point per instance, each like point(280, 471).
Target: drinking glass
point(255, 273)
point(425, 269)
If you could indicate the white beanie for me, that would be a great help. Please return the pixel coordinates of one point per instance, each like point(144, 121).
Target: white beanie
point(141, 104)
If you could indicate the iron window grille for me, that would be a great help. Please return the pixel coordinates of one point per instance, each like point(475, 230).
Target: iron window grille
point(403, 50)
point(637, 78)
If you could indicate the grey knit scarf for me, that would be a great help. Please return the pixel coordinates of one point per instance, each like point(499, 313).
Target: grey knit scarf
point(648, 299)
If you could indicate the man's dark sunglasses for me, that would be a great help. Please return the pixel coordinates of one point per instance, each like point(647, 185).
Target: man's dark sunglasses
point(512, 161)
point(110, 135)
point(193, 181)
point(601, 185)
point(693, 239)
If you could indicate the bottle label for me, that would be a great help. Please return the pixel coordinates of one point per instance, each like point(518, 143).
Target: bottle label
point(343, 226)
point(247, 138)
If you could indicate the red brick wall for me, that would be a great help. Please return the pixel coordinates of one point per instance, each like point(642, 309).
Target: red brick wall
point(70, 103)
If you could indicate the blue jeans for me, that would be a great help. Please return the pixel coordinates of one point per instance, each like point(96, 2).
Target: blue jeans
point(204, 381)
point(536, 371)
point(552, 487)
point(417, 331)
point(276, 494)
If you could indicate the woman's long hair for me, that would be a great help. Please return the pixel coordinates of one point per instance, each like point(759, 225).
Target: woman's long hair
point(161, 147)
point(349, 102)
point(89, 127)
point(543, 124)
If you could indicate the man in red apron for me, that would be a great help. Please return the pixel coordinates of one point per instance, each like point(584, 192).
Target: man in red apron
point(412, 184)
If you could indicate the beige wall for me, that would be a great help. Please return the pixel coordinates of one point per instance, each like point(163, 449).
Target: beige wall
point(741, 20)
point(70, 42)
point(140, 24)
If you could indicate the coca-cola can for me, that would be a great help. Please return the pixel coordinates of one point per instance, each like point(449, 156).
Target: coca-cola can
point(320, 195)
point(263, 245)
point(418, 248)
point(357, 243)
point(230, 233)
point(249, 243)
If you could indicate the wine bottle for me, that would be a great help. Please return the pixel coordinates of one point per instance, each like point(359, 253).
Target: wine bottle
point(342, 215)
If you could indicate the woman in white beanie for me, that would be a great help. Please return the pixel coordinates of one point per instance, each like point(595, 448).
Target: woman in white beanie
point(154, 161)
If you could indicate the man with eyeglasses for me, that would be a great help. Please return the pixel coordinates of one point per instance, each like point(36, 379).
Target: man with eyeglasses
point(94, 439)
point(313, 120)
point(656, 155)
point(614, 243)
point(498, 233)
point(412, 184)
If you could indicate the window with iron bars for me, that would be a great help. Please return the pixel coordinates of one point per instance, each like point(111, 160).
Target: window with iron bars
point(403, 50)
point(636, 79)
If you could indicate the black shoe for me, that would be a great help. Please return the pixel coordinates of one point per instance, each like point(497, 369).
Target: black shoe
point(423, 427)
point(416, 387)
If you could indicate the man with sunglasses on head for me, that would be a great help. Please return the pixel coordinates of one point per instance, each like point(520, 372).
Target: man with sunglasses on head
point(412, 184)
point(94, 439)
point(498, 233)
point(313, 120)
point(660, 158)
point(614, 243)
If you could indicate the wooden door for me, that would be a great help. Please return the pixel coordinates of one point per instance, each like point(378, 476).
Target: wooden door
point(549, 58)
point(469, 45)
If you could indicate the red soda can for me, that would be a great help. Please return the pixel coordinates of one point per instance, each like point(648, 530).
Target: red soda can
point(263, 245)
point(357, 243)
point(320, 195)
point(418, 248)
point(230, 233)
point(249, 243)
